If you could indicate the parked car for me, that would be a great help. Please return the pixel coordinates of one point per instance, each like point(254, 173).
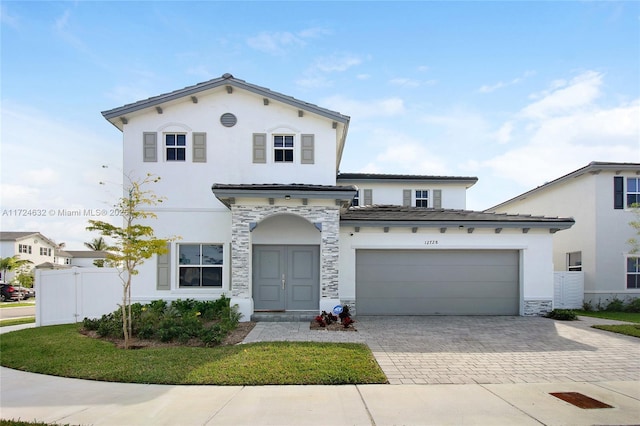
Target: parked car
point(8, 292)
point(25, 292)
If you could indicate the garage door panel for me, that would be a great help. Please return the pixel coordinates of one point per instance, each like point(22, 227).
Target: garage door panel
point(455, 282)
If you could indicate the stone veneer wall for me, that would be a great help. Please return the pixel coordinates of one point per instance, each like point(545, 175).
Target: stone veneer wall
point(243, 216)
point(537, 307)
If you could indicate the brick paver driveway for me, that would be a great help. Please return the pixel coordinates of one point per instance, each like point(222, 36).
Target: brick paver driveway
point(456, 349)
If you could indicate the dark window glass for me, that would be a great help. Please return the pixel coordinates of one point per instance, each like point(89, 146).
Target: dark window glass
point(212, 277)
point(288, 156)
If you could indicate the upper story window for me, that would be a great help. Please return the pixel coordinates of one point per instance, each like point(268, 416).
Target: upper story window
point(24, 248)
point(44, 251)
point(175, 146)
point(356, 199)
point(422, 198)
point(200, 265)
point(633, 191)
point(283, 148)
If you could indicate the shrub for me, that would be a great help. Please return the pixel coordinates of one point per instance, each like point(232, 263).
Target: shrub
point(633, 306)
point(562, 315)
point(616, 305)
point(182, 321)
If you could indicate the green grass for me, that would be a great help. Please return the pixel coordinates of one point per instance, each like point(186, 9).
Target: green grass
point(620, 316)
point(17, 321)
point(16, 304)
point(62, 351)
point(626, 329)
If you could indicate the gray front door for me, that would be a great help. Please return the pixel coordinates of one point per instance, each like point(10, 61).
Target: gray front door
point(286, 278)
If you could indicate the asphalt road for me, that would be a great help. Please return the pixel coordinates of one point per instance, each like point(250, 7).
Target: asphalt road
point(23, 311)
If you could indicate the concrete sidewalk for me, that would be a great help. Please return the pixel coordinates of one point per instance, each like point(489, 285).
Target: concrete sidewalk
point(28, 397)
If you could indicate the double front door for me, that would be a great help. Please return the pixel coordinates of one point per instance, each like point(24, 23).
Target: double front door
point(286, 277)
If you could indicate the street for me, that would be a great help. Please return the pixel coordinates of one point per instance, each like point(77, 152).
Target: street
point(22, 311)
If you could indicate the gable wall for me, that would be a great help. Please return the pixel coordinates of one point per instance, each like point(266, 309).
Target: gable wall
point(600, 231)
point(229, 149)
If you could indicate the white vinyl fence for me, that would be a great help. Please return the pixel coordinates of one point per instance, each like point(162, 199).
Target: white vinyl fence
point(67, 296)
point(568, 290)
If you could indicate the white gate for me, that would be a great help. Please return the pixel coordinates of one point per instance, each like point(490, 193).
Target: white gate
point(568, 290)
point(67, 296)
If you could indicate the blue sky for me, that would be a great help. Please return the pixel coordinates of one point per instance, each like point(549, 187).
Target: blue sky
point(515, 93)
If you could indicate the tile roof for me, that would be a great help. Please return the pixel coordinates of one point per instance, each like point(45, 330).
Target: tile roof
point(226, 80)
point(389, 215)
point(386, 176)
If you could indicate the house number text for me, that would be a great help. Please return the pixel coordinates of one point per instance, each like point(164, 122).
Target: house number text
point(430, 242)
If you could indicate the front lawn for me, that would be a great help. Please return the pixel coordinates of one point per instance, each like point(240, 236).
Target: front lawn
point(17, 321)
point(620, 316)
point(62, 350)
point(626, 329)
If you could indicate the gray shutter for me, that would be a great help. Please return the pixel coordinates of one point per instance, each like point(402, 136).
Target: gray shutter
point(368, 197)
point(259, 147)
point(437, 198)
point(150, 147)
point(306, 149)
point(406, 197)
point(199, 147)
point(164, 270)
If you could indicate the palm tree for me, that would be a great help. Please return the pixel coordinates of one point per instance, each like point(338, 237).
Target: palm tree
point(97, 244)
point(12, 263)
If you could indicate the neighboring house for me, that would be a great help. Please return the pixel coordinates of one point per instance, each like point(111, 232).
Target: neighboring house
point(282, 231)
point(32, 246)
point(86, 258)
point(599, 197)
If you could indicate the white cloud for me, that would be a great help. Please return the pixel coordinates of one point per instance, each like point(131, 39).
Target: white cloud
point(502, 84)
point(7, 18)
point(336, 63)
point(411, 83)
point(565, 129)
point(52, 179)
point(580, 92)
point(275, 43)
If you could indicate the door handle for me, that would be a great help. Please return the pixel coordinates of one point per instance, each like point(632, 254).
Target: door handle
point(283, 281)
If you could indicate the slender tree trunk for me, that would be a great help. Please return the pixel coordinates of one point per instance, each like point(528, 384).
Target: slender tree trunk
point(125, 328)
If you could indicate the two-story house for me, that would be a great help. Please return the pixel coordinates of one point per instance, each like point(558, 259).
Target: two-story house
point(31, 246)
point(252, 188)
point(599, 197)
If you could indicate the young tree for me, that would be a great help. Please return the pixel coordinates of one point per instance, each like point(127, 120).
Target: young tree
point(635, 224)
point(135, 242)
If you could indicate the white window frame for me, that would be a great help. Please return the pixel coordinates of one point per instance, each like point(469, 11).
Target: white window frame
point(635, 273)
point(356, 199)
point(284, 148)
point(175, 147)
point(419, 197)
point(203, 264)
point(577, 266)
point(44, 251)
point(24, 248)
point(635, 193)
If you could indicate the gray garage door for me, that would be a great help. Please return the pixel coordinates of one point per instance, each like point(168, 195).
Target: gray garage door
point(442, 282)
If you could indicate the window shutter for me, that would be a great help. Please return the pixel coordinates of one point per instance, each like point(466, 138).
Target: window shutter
point(406, 197)
point(199, 147)
point(618, 192)
point(437, 198)
point(150, 147)
point(306, 149)
point(368, 197)
point(164, 269)
point(259, 147)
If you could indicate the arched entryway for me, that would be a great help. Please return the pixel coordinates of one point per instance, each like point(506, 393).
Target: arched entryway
point(286, 264)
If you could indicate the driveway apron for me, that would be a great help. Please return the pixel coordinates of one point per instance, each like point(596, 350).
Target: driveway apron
point(481, 349)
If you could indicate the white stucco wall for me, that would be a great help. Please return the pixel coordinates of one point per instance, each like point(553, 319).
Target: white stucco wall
point(229, 149)
point(600, 231)
point(391, 193)
point(536, 269)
